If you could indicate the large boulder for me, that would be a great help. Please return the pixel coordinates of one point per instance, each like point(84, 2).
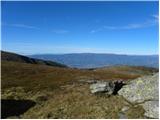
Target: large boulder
point(144, 91)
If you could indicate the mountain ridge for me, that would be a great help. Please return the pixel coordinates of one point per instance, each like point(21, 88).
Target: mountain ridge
point(10, 56)
point(92, 54)
point(94, 60)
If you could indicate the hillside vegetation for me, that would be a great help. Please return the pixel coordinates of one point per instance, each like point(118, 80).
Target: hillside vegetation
point(32, 76)
point(42, 91)
point(8, 56)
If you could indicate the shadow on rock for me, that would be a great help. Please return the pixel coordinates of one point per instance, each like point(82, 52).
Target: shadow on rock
point(15, 107)
point(118, 86)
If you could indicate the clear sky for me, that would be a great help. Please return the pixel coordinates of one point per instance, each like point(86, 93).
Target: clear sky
point(80, 27)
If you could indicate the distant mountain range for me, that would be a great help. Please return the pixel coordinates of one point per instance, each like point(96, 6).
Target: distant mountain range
point(13, 57)
point(92, 60)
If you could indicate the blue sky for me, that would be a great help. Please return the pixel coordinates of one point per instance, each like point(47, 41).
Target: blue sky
point(80, 27)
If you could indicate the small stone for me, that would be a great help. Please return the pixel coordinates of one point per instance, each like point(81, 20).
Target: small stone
point(125, 108)
point(122, 116)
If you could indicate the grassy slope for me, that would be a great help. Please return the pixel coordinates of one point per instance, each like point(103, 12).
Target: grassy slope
point(8, 56)
point(58, 95)
point(39, 77)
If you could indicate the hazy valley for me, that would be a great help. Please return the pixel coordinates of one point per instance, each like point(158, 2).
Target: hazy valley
point(93, 60)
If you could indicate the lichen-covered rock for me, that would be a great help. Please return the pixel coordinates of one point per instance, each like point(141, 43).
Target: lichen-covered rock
point(141, 90)
point(151, 109)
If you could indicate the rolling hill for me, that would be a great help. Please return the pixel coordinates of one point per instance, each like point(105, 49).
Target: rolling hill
point(90, 60)
point(8, 56)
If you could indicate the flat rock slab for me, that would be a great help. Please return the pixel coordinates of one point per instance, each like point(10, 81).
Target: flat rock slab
point(143, 89)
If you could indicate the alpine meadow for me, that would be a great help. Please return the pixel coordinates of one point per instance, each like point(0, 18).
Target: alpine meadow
point(79, 60)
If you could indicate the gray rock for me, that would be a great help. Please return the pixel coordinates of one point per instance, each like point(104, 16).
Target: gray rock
point(151, 109)
point(122, 116)
point(108, 87)
point(125, 108)
point(141, 90)
point(100, 87)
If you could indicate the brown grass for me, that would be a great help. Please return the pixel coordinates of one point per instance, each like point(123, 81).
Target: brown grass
point(74, 101)
point(58, 95)
point(37, 77)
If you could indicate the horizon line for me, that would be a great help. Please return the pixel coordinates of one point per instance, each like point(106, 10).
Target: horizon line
point(29, 54)
point(96, 53)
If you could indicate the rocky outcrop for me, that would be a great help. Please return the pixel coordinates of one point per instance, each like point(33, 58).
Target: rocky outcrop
point(143, 91)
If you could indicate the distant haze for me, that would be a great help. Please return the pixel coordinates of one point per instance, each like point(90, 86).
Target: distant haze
point(90, 60)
